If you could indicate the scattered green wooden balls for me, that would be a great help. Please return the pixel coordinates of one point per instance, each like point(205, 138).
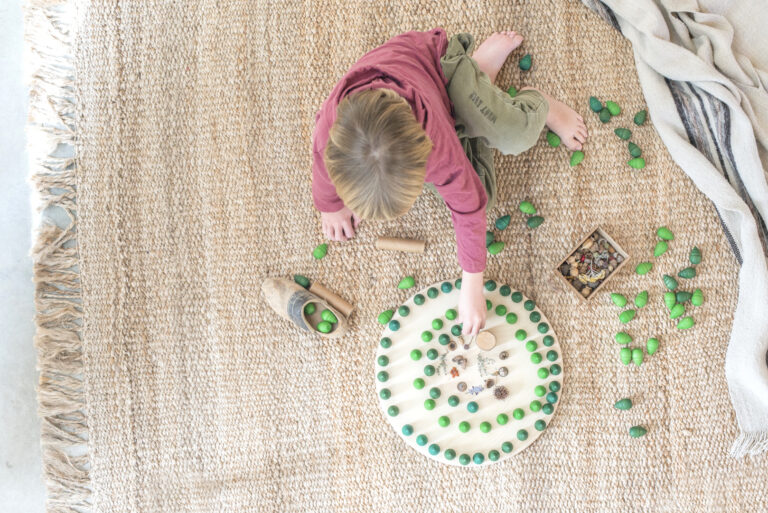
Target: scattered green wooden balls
point(555, 369)
point(552, 356)
point(449, 454)
point(522, 435)
point(531, 346)
point(626, 316)
point(512, 91)
point(506, 447)
point(640, 117)
point(504, 290)
point(623, 404)
point(540, 391)
point(547, 408)
point(641, 299)
point(426, 335)
point(464, 459)
point(432, 354)
point(661, 248)
point(429, 370)
point(434, 449)
point(595, 105)
point(446, 287)
point(665, 233)
point(385, 316)
point(493, 455)
point(419, 299)
point(543, 373)
point(422, 440)
point(552, 397)
point(450, 314)
point(501, 310)
point(613, 108)
point(521, 335)
point(511, 318)
point(382, 376)
point(404, 311)
point(478, 458)
point(652, 345)
point(636, 163)
point(394, 325)
point(490, 285)
point(637, 431)
point(432, 292)
point(437, 324)
point(623, 133)
point(536, 358)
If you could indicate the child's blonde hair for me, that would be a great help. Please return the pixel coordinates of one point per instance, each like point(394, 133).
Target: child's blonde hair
point(376, 154)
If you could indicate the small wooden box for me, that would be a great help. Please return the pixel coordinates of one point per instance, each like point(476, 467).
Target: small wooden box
point(615, 246)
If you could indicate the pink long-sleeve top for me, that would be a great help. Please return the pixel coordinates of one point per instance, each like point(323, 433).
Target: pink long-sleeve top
point(409, 64)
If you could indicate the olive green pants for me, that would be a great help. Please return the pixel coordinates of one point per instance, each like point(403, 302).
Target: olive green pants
point(487, 117)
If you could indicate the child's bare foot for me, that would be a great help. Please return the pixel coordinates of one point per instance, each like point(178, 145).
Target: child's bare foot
point(492, 53)
point(565, 122)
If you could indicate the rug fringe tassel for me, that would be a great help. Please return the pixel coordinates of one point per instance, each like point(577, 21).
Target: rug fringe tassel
point(51, 137)
point(749, 444)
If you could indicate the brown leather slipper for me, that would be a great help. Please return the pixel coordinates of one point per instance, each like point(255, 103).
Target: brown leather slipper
point(288, 299)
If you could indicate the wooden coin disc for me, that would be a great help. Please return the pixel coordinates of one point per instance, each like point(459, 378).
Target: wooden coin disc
point(485, 340)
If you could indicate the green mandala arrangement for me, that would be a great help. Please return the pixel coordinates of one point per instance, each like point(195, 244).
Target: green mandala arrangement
point(454, 402)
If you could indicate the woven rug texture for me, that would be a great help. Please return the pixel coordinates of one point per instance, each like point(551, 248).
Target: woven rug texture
point(193, 185)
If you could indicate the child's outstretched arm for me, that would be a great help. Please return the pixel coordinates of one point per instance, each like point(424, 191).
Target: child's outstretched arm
point(472, 311)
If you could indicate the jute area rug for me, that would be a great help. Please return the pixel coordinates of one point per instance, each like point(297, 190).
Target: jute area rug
point(192, 175)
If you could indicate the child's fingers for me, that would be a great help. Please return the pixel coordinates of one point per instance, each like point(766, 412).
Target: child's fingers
point(348, 231)
point(355, 220)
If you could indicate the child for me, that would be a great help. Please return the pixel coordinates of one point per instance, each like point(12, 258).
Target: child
point(419, 109)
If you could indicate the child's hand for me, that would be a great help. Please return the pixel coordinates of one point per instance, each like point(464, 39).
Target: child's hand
point(339, 225)
point(472, 308)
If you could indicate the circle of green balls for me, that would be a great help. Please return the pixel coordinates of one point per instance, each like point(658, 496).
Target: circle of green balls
point(429, 404)
point(536, 358)
point(517, 297)
point(449, 454)
point(540, 391)
point(432, 354)
point(485, 427)
point(464, 426)
point(444, 339)
point(407, 430)
point(472, 407)
point(535, 317)
point(429, 370)
point(453, 400)
point(394, 325)
point(450, 314)
point(434, 392)
point(446, 287)
point(488, 304)
point(506, 447)
point(490, 285)
point(404, 311)
point(386, 342)
point(554, 386)
point(422, 440)
point(415, 355)
point(529, 305)
point(385, 394)
point(456, 330)
point(531, 346)
point(535, 405)
point(393, 411)
point(504, 290)
point(443, 421)
point(418, 383)
point(518, 413)
point(437, 324)
point(551, 355)
point(432, 292)
point(383, 360)
point(522, 435)
point(501, 310)
point(511, 318)
point(548, 340)
point(464, 459)
point(382, 376)
point(418, 299)
point(540, 425)
point(434, 449)
point(543, 373)
point(555, 369)
point(426, 336)
point(547, 408)
point(502, 419)
point(478, 458)
point(521, 335)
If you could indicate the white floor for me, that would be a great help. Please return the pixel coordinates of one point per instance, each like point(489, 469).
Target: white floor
point(21, 485)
